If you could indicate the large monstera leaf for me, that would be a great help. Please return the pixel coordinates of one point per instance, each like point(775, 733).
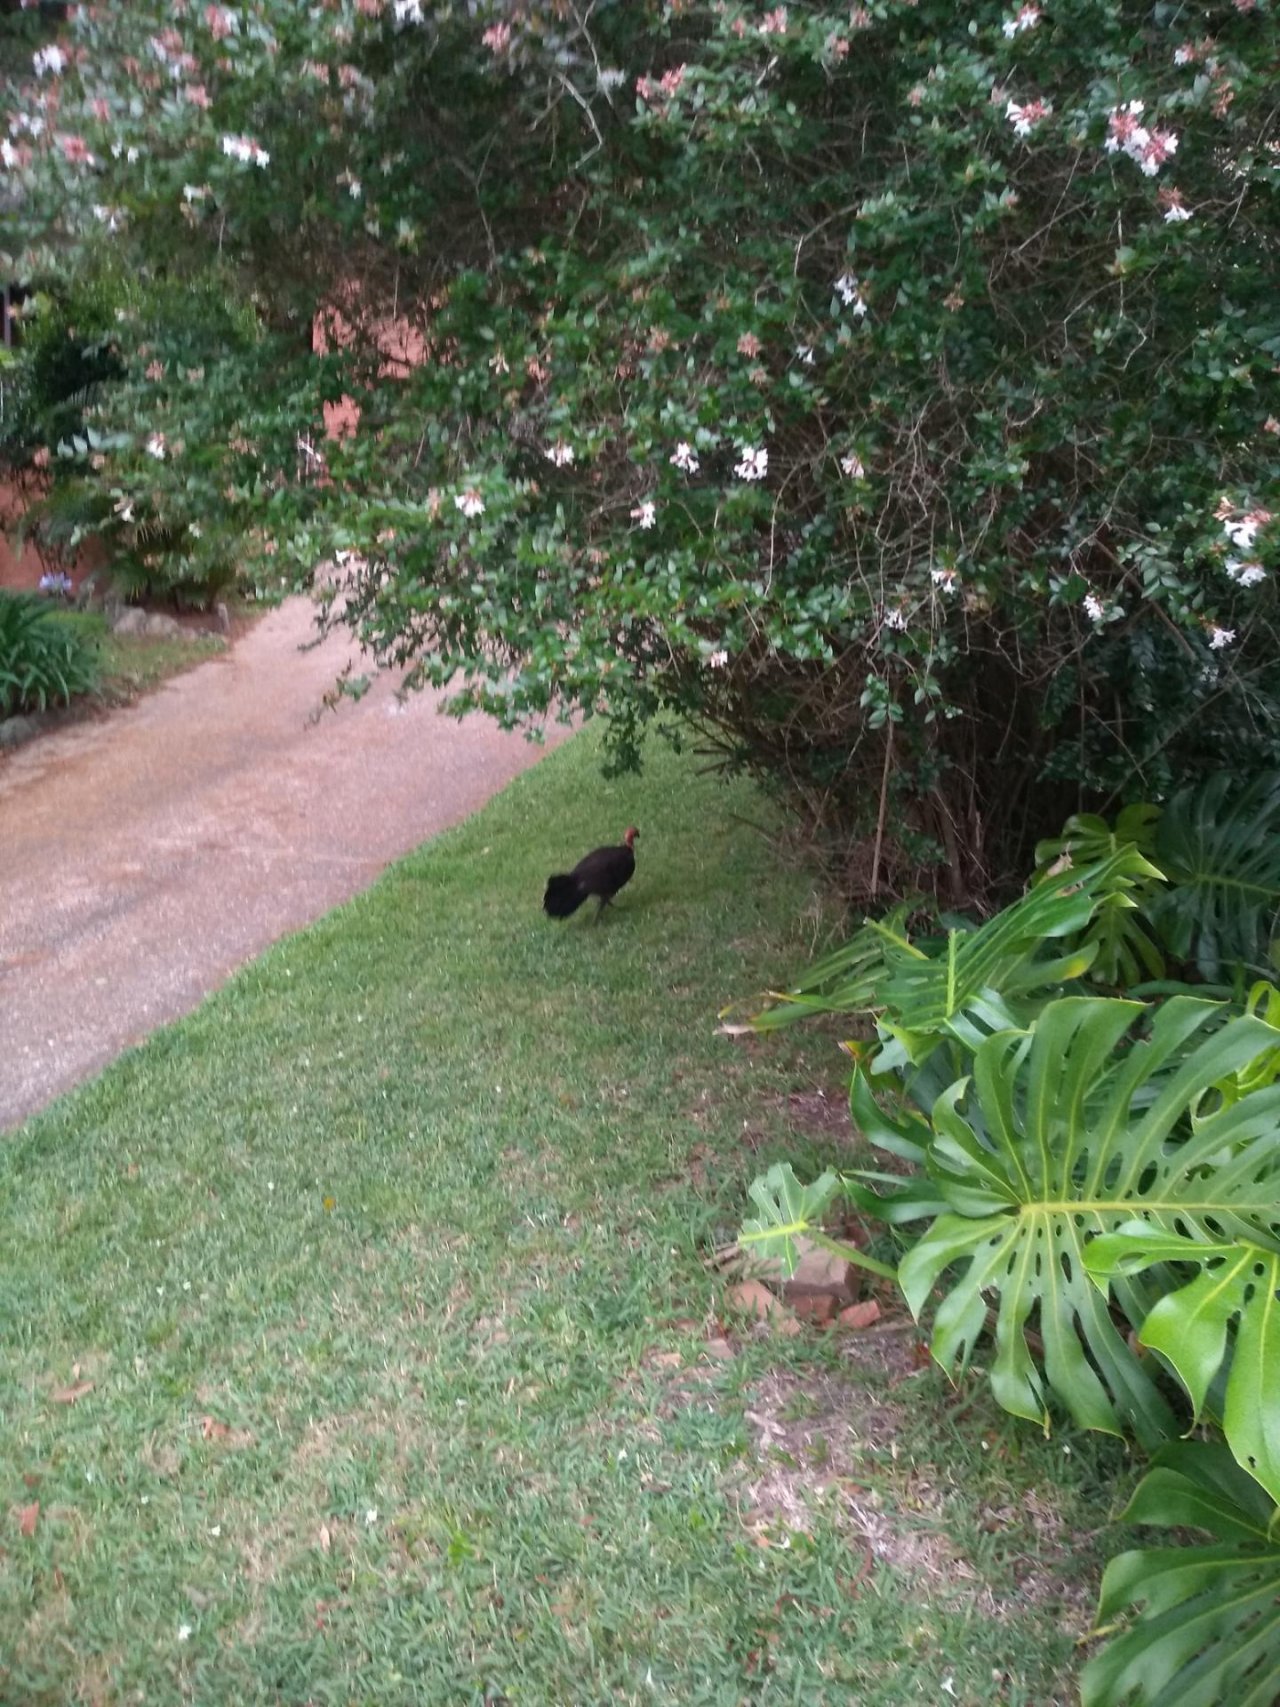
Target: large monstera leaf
point(1219, 846)
point(1125, 948)
point(1238, 1284)
point(1074, 1128)
point(974, 979)
point(1206, 1619)
point(974, 982)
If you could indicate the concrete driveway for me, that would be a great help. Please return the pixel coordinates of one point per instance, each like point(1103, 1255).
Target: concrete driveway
point(146, 855)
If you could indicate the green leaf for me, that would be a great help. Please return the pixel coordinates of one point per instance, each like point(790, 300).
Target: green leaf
point(960, 991)
point(1070, 1130)
point(1205, 1627)
point(844, 981)
point(789, 1209)
point(1219, 846)
point(1239, 1284)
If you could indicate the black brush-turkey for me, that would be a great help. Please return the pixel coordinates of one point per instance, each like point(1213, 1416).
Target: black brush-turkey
point(601, 873)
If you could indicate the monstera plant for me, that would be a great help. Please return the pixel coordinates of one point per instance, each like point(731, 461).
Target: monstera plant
point(1217, 910)
point(1095, 1181)
point(1092, 1126)
point(1208, 1630)
point(1219, 846)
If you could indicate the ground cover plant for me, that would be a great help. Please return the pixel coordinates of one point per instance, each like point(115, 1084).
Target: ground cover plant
point(890, 388)
point(358, 1345)
point(44, 660)
point(133, 664)
point(52, 658)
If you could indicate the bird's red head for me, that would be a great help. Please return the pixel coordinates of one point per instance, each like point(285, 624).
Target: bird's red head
point(630, 837)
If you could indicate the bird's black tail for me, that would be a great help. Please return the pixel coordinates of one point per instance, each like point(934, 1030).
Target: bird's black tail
point(564, 896)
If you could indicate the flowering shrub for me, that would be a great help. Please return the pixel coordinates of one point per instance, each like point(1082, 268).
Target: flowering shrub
point(890, 390)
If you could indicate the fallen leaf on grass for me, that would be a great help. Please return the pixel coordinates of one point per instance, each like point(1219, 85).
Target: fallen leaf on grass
point(860, 1315)
point(719, 1348)
point(28, 1517)
point(851, 1585)
point(69, 1395)
point(325, 1538)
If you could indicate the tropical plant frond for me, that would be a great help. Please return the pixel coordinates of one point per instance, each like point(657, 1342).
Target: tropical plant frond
point(1067, 1131)
point(1205, 1620)
point(1219, 846)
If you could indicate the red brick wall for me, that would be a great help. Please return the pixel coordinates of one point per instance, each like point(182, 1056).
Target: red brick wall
point(22, 569)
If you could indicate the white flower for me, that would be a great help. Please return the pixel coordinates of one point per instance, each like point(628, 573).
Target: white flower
point(194, 192)
point(1183, 55)
point(754, 464)
point(895, 619)
point(49, 59)
point(645, 514)
point(184, 1632)
point(1175, 213)
point(1242, 533)
point(1095, 610)
point(718, 660)
point(469, 502)
point(1220, 637)
point(848, 292)
point(216, 1531)
point(8, 153)
point(944, 579)
point(685, 457)
point(371, 1517)
point(1245, 574)
point(156, 446)
point(560, 453)
point(407, 11)
point(804, 353)
point(1148, 148)
point(610, 78)
point(1026, 18)
point(1024, 118)
point(355, 189)
point(245, 149)
point(853, 466)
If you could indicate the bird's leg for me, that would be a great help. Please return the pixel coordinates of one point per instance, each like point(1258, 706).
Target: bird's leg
point(604, 902)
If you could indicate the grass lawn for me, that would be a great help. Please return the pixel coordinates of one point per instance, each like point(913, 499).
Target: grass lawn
point(133, 664)
point(356, 1345)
